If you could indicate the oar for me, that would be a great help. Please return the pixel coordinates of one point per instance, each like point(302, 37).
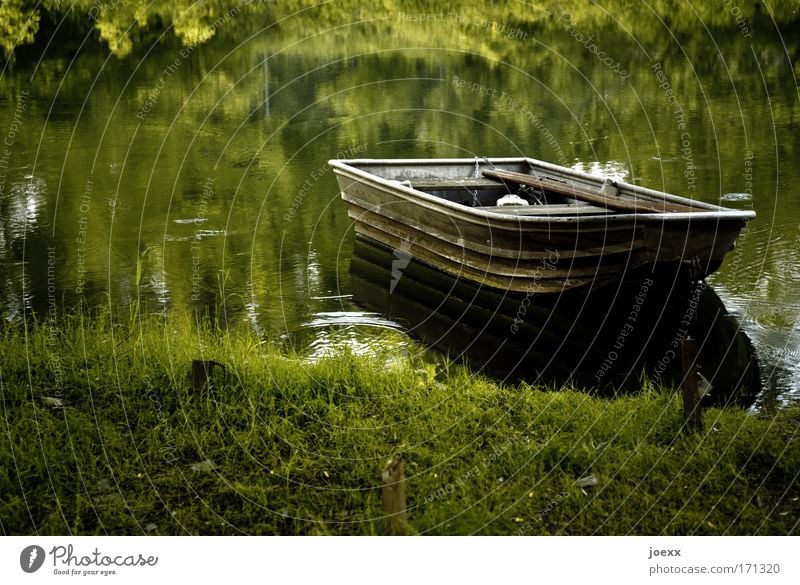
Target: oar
point(584, 194)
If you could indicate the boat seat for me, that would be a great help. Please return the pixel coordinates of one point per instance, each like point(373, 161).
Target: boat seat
point(445, 184)
point(581, 209)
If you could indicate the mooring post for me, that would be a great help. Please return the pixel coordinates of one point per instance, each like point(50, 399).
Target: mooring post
point(201, 373)
point(394, 497)
point(692, 409)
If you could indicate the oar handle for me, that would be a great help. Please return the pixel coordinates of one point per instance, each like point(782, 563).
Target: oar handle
point(582, 193)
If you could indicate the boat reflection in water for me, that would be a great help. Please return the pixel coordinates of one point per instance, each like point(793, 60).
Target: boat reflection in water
point(601, 340)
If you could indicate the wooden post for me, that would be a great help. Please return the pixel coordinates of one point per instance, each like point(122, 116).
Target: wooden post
point(394, 497)
point(201, 373)
point(692, 410)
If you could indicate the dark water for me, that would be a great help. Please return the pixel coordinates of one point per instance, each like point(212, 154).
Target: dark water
point(177, 178)
point(599, 340)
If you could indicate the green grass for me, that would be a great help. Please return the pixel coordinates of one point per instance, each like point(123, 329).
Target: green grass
point(281, 445)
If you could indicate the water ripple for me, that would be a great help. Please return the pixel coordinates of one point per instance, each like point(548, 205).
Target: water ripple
point(737, 197)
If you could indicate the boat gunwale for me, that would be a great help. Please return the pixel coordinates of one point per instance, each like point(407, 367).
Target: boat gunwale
point(713, 213)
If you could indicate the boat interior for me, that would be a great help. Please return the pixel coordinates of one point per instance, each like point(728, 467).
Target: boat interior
point(521, 187)
point(500, 197)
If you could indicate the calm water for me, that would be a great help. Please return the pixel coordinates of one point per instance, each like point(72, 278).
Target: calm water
point(195, 178)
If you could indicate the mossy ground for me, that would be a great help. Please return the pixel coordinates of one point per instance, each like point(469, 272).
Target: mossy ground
point(279, 445)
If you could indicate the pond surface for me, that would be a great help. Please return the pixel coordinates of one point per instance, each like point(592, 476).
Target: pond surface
point(193, 177)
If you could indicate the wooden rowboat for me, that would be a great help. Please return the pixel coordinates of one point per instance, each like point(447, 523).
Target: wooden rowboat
point(525, 225)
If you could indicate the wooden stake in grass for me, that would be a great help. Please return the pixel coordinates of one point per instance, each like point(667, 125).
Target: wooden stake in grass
point(394, 497)
point(692, 410)
point(201, 373)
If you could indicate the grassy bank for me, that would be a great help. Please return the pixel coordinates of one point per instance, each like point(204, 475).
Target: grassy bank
point(102, 432)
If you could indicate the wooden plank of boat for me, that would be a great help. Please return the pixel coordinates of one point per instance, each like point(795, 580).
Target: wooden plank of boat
point(588, 195)
point(498, 272)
